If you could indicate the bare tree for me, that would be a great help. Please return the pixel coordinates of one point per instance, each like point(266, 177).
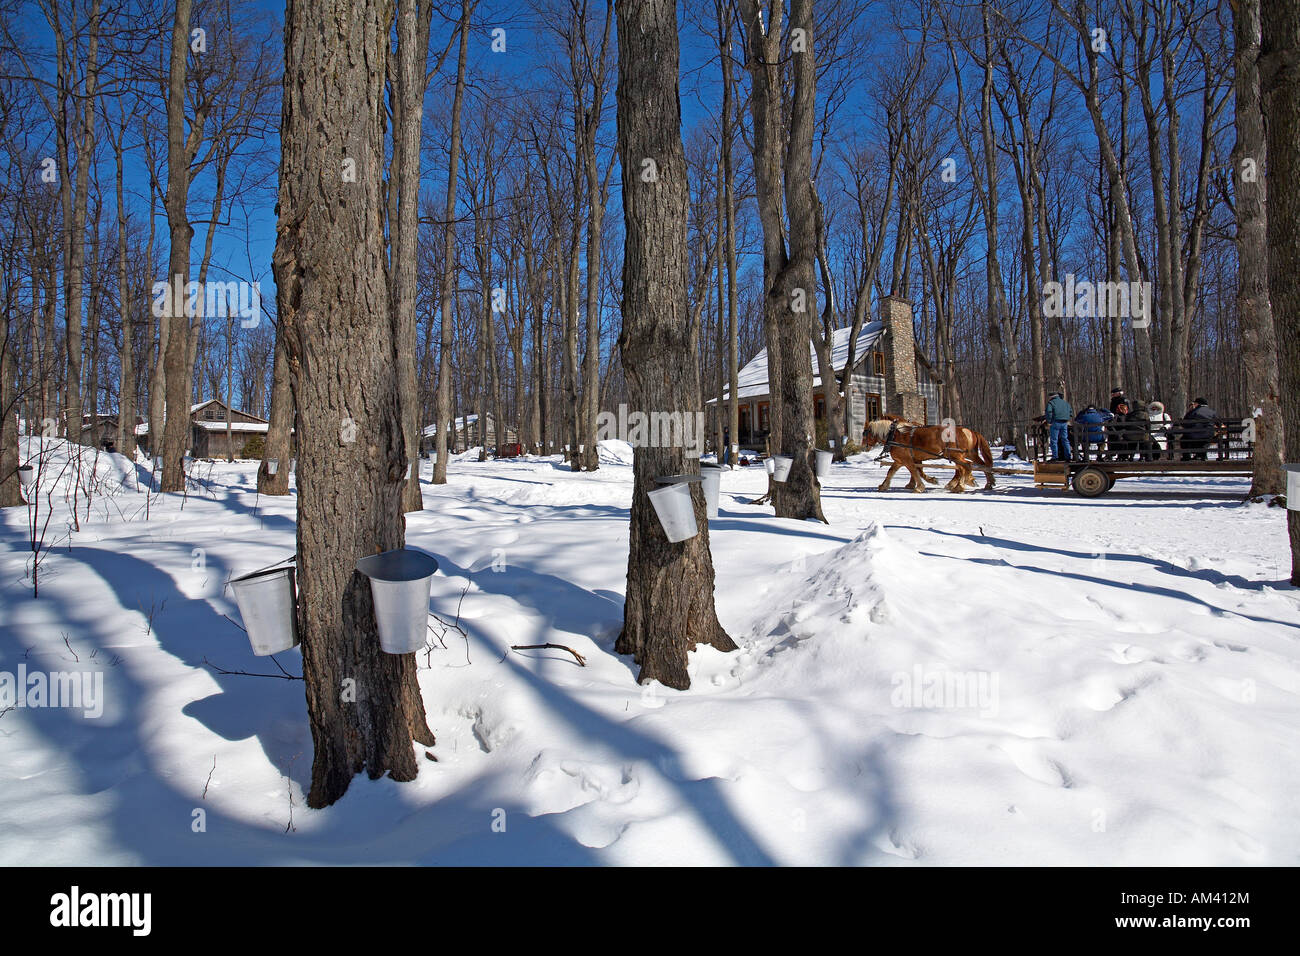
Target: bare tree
point(1279, 82)
point(669, 607)
point(783, 172)
point(181, 149)
point(409, 83)
point(442, 401)
point(1258, 343)
point(330, 276)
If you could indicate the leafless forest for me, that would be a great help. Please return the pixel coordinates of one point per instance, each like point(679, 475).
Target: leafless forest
point(963, 155)
point(362, 218)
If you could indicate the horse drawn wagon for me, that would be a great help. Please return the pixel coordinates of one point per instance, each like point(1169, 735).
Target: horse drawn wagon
point(1137, 449)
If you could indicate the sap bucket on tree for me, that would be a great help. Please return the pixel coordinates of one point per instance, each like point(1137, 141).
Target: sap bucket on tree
point(770, 465)
point(399, 583)
point(712, 475)
point(272, 465)
point(824, 459)
point(672, 503)
point(26, 475)
point(268, 604)
point(781, 465)
point(1293, 487)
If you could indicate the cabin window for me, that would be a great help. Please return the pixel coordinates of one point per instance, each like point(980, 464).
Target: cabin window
point(764, 419)
point(873, 406)
point(878, 362)
point(819, 407)
point(744, 421)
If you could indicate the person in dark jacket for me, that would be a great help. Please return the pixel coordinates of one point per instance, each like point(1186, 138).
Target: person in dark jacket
point(1091, 431)
point(1117, 437)
point(1116, 397)
point(1058, 414)
point(1128, 434)
point(1139, 433)
point(1198, 430)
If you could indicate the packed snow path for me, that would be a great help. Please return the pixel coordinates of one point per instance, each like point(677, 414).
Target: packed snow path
point(1015, 677)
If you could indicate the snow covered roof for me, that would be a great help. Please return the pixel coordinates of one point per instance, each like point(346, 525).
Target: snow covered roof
point(216, 427)
point(234, 426)
point(752, 379)
point(460, 425)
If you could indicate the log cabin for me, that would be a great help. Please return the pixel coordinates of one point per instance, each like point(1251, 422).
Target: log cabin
point(890, 374)
point(208, 432)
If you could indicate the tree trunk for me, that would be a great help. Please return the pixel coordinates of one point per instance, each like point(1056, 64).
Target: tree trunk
point(669, 608)
point(278, 442)
point(1258, 343)
point(442, 398)
point(90, 401)
point(161, 329)
point(176, 424)
point(1001, 334)
point(74, 214)
point(572, 406)
point(595, 225)
point(1280, 86)
point(10, 493)
point(126, 387)
point(413, 18)
point(364, 705)
point(790, 285)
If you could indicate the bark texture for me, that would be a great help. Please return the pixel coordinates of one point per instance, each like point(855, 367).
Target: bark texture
point(176, 424)
point(278, 444)
point(1258, 343)
point(408, 114)
point(10, 493)
point(789, 280)
point(442, 398)
point(1280, 85)
point(364, 705)
point(669, 608)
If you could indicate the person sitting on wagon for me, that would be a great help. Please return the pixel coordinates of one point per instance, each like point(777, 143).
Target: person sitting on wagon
point(1139, 432)
point(1116, 397)
point(1198, 430)
point(1058, 414)
point(1091, 432)
point(1160, 422)
point(1125, 435)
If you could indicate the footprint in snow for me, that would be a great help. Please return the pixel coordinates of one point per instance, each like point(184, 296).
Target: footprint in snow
point(895, 845)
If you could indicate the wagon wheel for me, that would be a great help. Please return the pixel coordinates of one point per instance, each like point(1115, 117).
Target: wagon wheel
point(1091, 482)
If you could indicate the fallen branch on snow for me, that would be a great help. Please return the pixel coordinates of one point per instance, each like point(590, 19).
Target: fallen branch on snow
point(582, 661)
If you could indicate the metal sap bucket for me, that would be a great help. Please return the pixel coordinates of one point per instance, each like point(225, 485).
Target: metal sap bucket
point(268, 604)
point(26, 475)
point(272, 465)
point(781, 465)
point(674, 507)
point(712, 476)
point(770, 465)
point(399, 584)
point(824, 459)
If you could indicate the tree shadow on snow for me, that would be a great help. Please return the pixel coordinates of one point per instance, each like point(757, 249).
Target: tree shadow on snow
point(150, 816)
point(563, 606)
point(1165, 567)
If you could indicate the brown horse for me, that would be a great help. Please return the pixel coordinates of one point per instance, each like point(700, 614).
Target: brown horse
point(909, 444)
point(965, 438)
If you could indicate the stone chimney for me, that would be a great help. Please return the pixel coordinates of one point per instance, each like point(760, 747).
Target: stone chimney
point(901, 393)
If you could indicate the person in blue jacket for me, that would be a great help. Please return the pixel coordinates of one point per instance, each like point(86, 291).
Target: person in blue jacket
point(1058, 414)
point(1091, 433)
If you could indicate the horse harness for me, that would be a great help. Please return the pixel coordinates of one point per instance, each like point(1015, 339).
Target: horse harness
point(890, 443)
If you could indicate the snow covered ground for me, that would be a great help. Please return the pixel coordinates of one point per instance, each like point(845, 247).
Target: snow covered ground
point(1005, 678)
